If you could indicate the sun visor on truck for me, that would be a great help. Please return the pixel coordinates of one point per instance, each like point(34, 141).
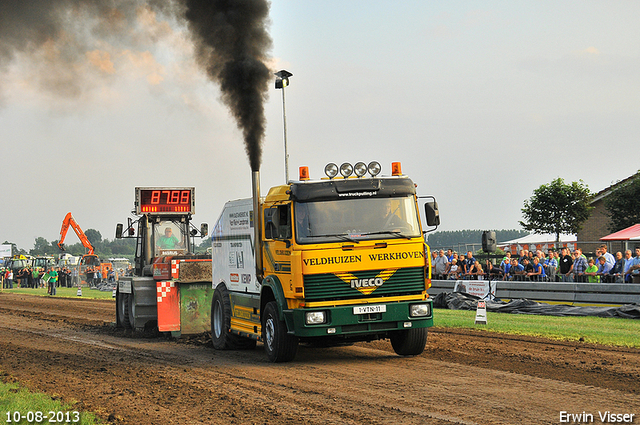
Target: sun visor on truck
point(352, 188)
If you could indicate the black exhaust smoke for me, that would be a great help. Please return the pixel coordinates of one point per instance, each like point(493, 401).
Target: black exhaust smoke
point(232, 44)
point(230, 37)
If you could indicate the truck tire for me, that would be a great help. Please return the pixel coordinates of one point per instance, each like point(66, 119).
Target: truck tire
point(122, 310)
point(409, 342)
point(279, 345)
point(221, 336)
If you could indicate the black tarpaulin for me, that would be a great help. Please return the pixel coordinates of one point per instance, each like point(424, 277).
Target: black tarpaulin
point(463, 301)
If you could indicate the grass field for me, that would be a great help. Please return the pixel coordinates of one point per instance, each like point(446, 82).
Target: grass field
point(597, 330)
point(63, 292)
point(16, 401)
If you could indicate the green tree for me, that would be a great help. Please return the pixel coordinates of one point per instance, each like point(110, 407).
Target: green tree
point(557, 208)
point(94, 237)
point(41, 247)
point(623, 204)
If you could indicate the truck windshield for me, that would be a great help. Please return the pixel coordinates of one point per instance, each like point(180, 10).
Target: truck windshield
point(356, 219)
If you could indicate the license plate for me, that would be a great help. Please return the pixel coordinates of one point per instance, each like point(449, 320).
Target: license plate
point(369, 309)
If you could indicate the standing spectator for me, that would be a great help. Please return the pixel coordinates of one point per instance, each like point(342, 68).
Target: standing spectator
point(516, 271)
point(440, 265)
point(607, 255)
point(493, 272)
point(579, 266)
point(603, 269)
point(566, 265)
point(538, 273)
point(9, 279)
point(453, 271)
point(528, 266)
point(628, 262)
point(506, 269)
point(29, 278)
point(76, 281)
point(611, 261)
point(616, 273)
point(35, 276)
point(475, 271)
point(468, 262)
point(635, 265)
point(551, 265)
point(597, 255)
point(505, 264)
point(449, 255)
point(51, 277)
point(591, 272)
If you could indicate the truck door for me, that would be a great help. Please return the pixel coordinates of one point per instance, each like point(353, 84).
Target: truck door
point(278, 242)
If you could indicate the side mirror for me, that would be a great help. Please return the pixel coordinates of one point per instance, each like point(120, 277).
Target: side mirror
point(204, 230)
point(431, 213)
point(119, 231)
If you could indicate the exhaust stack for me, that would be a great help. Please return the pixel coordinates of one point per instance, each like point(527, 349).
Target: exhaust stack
point(257, 228)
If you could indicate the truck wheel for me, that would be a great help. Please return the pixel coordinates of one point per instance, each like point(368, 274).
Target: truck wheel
point(122, 310)
point(221, 336)
point(278, 344)
point(409, 342)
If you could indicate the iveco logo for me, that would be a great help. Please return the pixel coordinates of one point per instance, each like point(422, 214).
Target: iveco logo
point(366, 283)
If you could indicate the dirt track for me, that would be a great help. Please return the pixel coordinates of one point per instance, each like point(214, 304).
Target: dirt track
point(68, 348)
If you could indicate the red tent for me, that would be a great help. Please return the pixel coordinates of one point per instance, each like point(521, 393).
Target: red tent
point(630, 233)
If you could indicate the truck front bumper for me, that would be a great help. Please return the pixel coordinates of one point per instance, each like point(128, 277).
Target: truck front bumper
point(346, 322)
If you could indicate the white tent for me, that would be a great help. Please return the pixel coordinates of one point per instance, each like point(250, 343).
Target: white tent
point(535, 241)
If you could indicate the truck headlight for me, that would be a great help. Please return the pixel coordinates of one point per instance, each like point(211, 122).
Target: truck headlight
point(419, 310)
point(315, 317)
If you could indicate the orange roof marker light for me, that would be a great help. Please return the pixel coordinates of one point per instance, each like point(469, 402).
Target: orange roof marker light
point(304, 173)
point(396, 168)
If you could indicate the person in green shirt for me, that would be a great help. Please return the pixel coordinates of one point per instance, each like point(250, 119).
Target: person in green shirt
point(51, 277)
point(591, 272)
point(168, 240)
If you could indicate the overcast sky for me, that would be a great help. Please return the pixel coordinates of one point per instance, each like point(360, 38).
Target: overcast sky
point(482, 102)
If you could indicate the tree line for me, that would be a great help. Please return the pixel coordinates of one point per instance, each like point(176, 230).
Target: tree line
point(102, 247)
point(457, 237)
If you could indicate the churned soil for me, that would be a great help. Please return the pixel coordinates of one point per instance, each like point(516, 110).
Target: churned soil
point(69, 349)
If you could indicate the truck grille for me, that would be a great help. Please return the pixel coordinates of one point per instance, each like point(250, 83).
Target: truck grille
point(330, 287)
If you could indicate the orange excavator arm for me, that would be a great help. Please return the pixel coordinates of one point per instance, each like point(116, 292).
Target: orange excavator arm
point(69, 221)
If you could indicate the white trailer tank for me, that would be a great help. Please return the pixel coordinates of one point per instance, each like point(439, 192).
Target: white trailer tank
point(233, 249)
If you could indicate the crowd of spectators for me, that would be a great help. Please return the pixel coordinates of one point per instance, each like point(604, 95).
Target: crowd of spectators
point(556, 266)
point(37, 277)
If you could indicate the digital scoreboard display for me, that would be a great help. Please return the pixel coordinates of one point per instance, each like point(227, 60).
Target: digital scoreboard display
point(165, 200)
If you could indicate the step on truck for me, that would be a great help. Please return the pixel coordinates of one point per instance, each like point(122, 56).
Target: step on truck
point(170, 287)
point(325, 262)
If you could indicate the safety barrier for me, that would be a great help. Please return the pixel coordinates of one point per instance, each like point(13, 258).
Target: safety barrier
point(609, 294)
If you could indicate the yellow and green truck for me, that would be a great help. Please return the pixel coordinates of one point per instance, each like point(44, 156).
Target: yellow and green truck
point(325, 262)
